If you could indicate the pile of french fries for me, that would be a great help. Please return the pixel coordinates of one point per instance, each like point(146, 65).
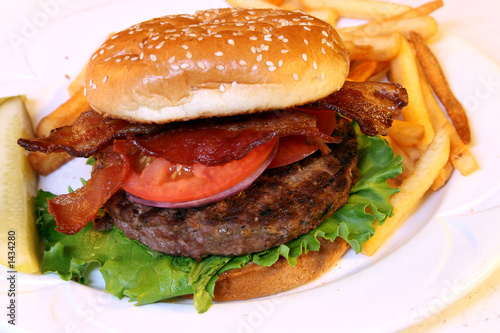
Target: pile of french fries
point(433, 134)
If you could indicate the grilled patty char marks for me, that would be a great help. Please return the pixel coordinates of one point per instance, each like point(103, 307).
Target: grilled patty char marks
point(281, 205)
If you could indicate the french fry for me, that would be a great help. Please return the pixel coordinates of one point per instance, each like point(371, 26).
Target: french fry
point(404, 70)
point(373, 48)
point(407, 162)
point(251, 4)
point(373, 27)
point(443, 176)
point(437, 80)
point(326, 14)
point(292, 5)
point(275, 2)
point(64, 115)
point(367, 69)
point(406, 133)
point(426, 26)
point(412, 189)
point(45, 164)
point(360, 9)
point(77, 82)
point(460, 155)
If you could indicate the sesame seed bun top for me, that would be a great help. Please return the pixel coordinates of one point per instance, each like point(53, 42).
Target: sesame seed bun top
point(215, 63)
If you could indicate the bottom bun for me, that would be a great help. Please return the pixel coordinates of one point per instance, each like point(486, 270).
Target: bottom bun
point(254, 281)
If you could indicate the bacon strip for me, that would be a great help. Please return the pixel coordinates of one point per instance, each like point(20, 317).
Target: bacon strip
point(214, 142)
point(74, 210)
point(211, 142)
point(89, 134)
point(372, 105)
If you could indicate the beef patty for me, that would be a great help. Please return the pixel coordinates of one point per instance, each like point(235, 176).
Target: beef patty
point(282, 204)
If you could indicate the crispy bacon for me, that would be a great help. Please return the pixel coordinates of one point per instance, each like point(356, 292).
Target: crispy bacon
point(89, 134)
point(210, 142)
point(372, 105)
point(215, 142)
point(74, 210)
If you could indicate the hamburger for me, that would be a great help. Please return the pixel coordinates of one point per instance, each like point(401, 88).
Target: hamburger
point(225, 157)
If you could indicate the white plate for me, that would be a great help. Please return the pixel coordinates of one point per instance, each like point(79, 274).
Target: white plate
point(446, 248)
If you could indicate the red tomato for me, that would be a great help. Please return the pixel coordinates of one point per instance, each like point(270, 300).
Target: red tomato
point(293, 148)
point(167, 182)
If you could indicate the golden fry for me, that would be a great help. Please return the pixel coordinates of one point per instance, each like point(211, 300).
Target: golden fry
point(375, 27)
point(367, 69)
point(360, 9)
point(77, 82)
point(251, 4)
point(373, 48)
point(443, 176)
point(437, 80)
point(45, 164)
point(64, 115)
point(326, 14)
point(460, 155)
point(425, 26)
point(406, 133)
point(412, 189)
point(404, 70)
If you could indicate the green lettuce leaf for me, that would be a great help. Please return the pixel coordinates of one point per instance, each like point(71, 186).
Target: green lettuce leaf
point(145, 276)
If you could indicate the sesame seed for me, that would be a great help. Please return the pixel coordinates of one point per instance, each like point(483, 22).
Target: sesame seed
point(304, 56)
point(295, 77)
point(284, 51)
point(323, 50)
point(189, 55)
point(269, 63)
point(101, 52)
point(307, 28)
point(152, 57)
point(259, 57)
point(94, 56)
point(160, 45)
point(105, 79)
point(253, 49)
point(254, 67)
point(253, 38)
point(185, 47)
point(280, 63)
point(230, 41)
point(184, 66)
point(110, 47)
point(243, 62)
point(141, 56)
point(107, 59)
point(174, 67)
point(324, 33)
point(84, 91)
point(222, 88)
point(272, 68)
point(220, 67)
point(219, 53)
point(118, 60)
point(171, 60)
point(315, 65)
point(134, 58)
point(114, 37)
point(306, 42)
point(201, 65)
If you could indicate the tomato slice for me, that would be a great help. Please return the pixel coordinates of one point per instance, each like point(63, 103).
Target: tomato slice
point(162, 181)
point(293, 148)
